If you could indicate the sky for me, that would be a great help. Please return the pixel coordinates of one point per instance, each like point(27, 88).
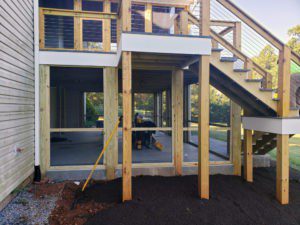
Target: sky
point(277, 16)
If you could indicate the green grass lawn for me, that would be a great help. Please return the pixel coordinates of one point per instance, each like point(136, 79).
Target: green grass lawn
point(294, 152)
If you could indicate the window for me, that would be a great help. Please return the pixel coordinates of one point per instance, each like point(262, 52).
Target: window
point(89, 5)
point(92, 34)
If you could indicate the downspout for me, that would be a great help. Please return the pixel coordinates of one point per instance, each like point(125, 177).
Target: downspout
point(37, 173)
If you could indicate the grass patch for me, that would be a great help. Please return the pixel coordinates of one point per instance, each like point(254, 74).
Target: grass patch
point(294, 152)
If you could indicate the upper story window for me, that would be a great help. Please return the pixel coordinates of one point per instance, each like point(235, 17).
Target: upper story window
point(92, 5)
point(57, 4)
point(138, 18)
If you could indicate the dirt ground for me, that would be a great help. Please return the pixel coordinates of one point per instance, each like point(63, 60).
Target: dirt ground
point(173, 200)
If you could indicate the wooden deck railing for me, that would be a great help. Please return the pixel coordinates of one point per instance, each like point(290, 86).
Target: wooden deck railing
point(61, 26)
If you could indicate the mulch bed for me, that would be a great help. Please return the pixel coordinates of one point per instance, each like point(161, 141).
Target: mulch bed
point(174, 200)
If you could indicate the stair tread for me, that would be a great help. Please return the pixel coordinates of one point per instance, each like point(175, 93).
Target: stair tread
point(228, 59)
point(253, 80)
point(241, 70)
point(217, 49)
point(267, 89)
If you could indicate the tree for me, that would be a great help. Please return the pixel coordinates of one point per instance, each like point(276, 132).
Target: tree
point(268, 60)
point(294, 42)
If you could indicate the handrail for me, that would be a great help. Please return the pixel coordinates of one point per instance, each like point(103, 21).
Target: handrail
point(231, 48)
point(73, 13)
point(257, 27)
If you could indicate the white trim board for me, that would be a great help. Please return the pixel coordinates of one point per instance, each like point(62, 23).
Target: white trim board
point(166, 44)
point(131, 42)
point(272, 125)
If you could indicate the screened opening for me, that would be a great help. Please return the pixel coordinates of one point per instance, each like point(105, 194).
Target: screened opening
point(92, 5)
point(57, 4)
point(92, 34)
point(59, 32)
point(138, 18)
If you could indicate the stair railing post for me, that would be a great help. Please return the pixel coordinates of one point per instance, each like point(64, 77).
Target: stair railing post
point(282, 163)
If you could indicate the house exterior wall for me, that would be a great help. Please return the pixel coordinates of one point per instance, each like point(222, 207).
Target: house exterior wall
point(16, 94)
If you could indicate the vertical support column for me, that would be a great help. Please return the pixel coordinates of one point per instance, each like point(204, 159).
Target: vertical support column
point(77, 26)
point(248, 156)
point(177, 119)
point(127, 107)
point(203, 117)
point(282, 163)
point(42, 29)
point(110, 87)
point(148, 18)
point(107, 28)
point(249, 66)
point(44, 119)
point(184, 22)
point(235, 114)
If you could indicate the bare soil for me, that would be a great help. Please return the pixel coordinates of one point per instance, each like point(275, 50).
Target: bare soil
point(174, 200)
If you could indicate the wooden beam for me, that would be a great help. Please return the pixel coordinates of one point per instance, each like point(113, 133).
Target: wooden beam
point(226, 31)
point(79, 13)
point(282, 162)
point(203, 98)
point(110, 83)
point(236, 137)
point(148, 18)
point(248, 156)
point(177, 119)
point(284, 81)
point(282, 169)
point(41, 28)
point(107, 28)
point(77, 26)
point(184, 23)
point(235, 113)
point(222, 23)
point(44, 119)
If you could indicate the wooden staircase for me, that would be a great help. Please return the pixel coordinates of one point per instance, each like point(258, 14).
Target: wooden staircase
point(248, 93)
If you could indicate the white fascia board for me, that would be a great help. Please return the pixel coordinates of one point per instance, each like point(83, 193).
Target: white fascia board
point(272, 125)
point(65, 58)
point(166, 44)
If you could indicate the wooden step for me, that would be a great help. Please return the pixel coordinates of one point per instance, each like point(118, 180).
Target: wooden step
point(241, 70)
point(228, 59)
point(254, 80)
point(266, 89)
point(217, 49)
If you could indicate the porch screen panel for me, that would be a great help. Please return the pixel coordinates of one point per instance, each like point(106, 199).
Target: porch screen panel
point(92, 34)
point(138, 18)
point(59, 32)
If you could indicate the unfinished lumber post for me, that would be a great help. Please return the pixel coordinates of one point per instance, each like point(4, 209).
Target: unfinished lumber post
point(177, 119)
point(77, 26)
point(203, 98)
point(44, 119)
point(110, 87)
point(282, 162)
point(107, 28)
point(148, 18)
point(235, 114)
point(127, 107)
point(184, 22)
point(248, 156)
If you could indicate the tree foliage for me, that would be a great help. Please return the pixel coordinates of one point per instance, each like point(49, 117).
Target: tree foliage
point(294, 41)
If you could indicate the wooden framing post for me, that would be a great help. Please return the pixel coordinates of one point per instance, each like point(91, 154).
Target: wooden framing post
point(110, 87)
point(148, 18)
point(44, 118)
point(177, 119)
point(77, 25)
point(127, 107)
point(248, 156)
point(282, 163)
point(235, 114)
point(184, 22)
point(107, 28)
point(203, 123)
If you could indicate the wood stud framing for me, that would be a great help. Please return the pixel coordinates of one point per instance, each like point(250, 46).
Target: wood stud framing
point(203, 98)
point(127, 106)
point(248, 157)
point(110, 85)
point(44, 118)
point(282, 165)
point(177, 119)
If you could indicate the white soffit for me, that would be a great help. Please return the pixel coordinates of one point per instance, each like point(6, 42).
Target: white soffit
point(65, 58)
point(272, 125)
point(166, 44)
